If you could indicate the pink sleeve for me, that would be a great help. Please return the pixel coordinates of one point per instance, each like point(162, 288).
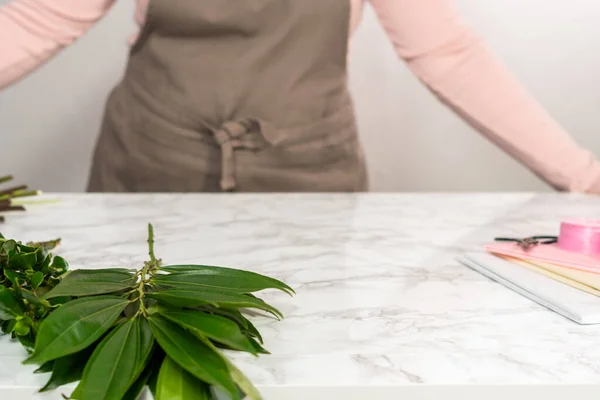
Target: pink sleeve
point(459, 69)
point(33, 31)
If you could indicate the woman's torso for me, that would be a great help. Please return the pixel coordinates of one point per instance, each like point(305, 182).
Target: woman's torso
point(260, 86)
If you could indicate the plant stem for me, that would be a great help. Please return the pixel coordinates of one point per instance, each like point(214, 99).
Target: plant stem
point(4, 207)
point(13, 189)
point(146, 270)
point(25, 193)
point(6, 178)
point(151, 244)
point(18, 194)
point(140, 288)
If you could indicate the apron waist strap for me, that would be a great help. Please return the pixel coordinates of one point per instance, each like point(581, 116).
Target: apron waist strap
point(233, 135)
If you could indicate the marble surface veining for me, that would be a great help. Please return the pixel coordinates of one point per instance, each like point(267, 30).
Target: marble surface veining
point(380, 298)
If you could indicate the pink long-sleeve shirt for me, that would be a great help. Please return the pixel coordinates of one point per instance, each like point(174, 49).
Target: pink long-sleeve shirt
point(427, 34)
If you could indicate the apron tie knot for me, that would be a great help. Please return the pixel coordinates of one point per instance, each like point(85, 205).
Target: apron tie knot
point(233, 135)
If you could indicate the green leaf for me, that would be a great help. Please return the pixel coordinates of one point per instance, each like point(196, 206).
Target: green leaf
point(257, 347)
point(15, 279)
point(174, 383)
point(40, 313)
point(10, 308)
point(116, 270)
point(27, 341)
point(133, 393)
point(45, 266)
point(153, 383)
point(59, 300)
point(37, 279)
point(60, 264)
point(192, 354)
point(243, 382)
point(45, 368)
point(23, 248)
point(230, 313)
point(205, 275)
point(111, 368)
point(146, 342)
point(8, 326)
point(40, 254)
point(151, 366)
point(9, 247)
point(33, 299)
point(221, 282)
point(23, 261)
point(157, 359)
point(251, 329)
point(76, 395)
point(74, 326)
point(145, 347)
point(67, 369)
point(214, 327)
point(242, 322)
point(23, 327)
point(238, 377)
point(92, 282)
point(189, 298)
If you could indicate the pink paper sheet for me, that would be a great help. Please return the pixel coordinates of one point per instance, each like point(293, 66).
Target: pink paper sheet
point(548, 253)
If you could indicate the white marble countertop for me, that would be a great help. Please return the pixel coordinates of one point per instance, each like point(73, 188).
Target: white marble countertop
point(382, 310)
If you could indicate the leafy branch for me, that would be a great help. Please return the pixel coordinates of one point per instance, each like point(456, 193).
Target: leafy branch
point(27, 272)
point(162, 327)
point(8, 196)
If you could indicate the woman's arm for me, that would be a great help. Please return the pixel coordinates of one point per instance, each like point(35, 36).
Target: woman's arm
point(456, 66)
point(33, 31)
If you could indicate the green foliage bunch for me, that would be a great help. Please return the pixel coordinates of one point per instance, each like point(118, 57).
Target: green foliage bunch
point(117, 331)
point(27, 273)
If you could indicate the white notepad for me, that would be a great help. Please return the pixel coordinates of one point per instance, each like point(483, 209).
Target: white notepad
point(577, 305)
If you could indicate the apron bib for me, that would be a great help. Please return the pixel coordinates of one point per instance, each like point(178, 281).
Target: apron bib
point(229, 95)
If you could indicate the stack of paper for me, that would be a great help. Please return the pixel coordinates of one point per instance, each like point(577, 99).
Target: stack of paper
point(569, 285)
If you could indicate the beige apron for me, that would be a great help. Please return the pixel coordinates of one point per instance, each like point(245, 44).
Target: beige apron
point(230, 95)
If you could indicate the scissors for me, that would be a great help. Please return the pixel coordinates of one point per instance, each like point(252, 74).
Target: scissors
point(528, 242)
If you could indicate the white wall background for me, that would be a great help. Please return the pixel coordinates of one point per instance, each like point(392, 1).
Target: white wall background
point(49, 121)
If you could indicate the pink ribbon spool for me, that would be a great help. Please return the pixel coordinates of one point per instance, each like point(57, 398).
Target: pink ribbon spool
point(580, 236)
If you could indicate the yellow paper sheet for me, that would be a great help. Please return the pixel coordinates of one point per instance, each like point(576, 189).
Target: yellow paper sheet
point(581, 280)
